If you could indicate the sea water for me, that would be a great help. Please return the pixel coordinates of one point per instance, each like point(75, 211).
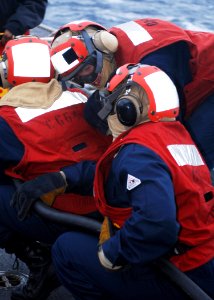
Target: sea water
point(189, 14)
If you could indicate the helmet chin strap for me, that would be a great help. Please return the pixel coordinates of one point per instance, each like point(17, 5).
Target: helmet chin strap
point(93, 51)
point(108, 102)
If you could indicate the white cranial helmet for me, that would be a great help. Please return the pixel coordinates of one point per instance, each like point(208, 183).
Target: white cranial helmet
point(80, 45)
point(26, 59)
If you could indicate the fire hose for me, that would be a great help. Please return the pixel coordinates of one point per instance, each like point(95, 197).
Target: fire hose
point(87, 224)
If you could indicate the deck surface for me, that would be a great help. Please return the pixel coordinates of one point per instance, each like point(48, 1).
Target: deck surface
point(6, 264)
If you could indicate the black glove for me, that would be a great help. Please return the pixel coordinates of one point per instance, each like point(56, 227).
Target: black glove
point(6, 37)
point(46, 187)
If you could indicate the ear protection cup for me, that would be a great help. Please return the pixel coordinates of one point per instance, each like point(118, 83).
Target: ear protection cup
point(128, 111)
point(105, 41)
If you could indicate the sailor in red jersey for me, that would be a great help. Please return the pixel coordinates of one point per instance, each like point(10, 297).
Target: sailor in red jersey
point(154, 190)
point(42, 132)
point(86, 52)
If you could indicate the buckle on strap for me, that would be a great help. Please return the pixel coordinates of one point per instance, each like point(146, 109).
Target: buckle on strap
point(180, 248)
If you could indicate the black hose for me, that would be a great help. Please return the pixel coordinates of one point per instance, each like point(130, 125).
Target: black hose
point(87, 224)
point(65, 218)
point(61, 217)
point(181, 280)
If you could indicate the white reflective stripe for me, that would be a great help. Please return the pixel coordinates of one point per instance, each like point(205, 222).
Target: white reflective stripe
point(164, 91)
point(79, 96)
point(136, 33)
point(186, 155)
point(67, 99)
point(31, 60)
point(60, 64)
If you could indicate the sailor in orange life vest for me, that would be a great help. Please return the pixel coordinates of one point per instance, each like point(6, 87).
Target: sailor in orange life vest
point(42, 131)
point(86, 52)
point(154, 190)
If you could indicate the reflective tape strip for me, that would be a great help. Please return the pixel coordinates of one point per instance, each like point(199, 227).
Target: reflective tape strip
point(136, 33)
point(31, 60)
point(59, 62)
point(186, 155)
point(67, 99)
point(164, 91)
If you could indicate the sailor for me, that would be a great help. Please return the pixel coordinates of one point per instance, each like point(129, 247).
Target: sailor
point(17, 17)
point(42, 132)
point(154, 190)
point(86, 52)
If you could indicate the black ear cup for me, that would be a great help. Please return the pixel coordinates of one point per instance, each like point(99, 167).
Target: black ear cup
point(128, 111)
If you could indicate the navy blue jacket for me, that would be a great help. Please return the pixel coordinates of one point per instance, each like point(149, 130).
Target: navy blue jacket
point(18, 16)
point(152, 229)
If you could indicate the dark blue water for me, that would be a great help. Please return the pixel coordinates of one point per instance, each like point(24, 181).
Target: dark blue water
point(190, 14)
